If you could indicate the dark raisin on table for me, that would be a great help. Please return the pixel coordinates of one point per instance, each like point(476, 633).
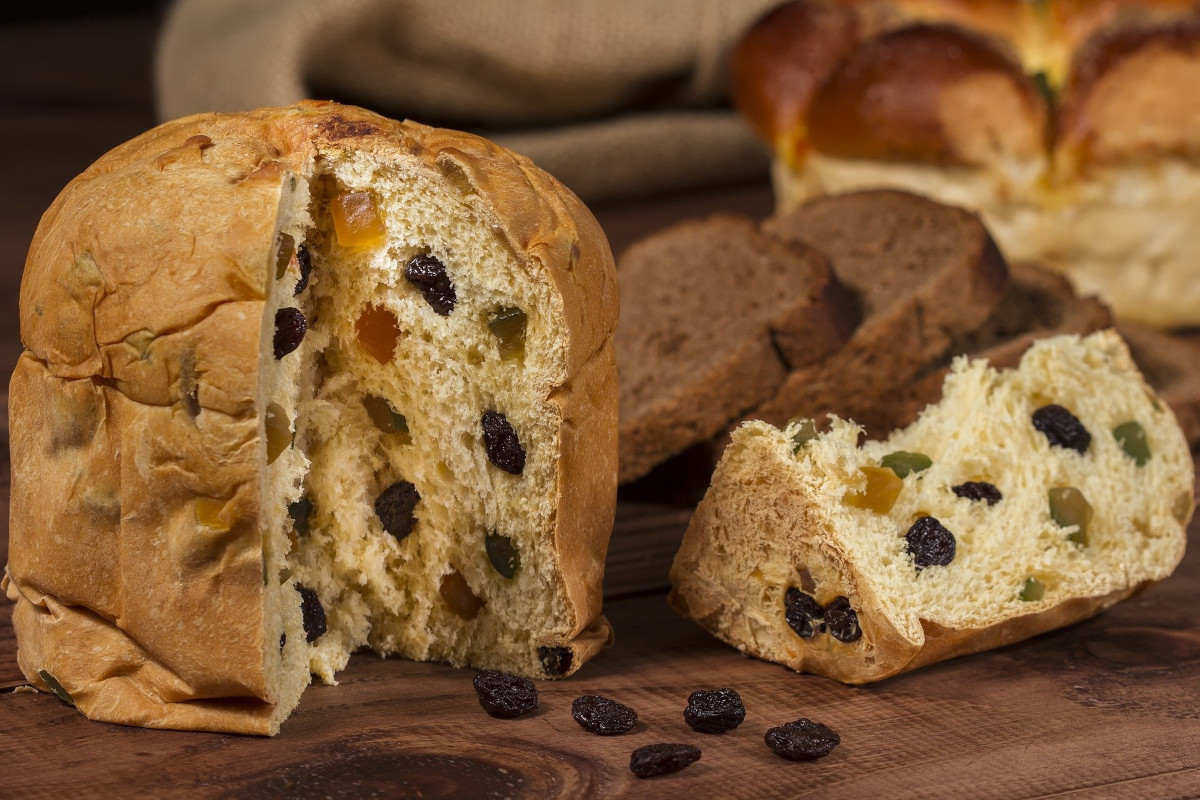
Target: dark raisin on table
point(500, 440)
point(800, 610)
point(1062, 428)
point(304, 259)
point(603, 717)
point(929, 543)
point(660, 759)
point(802, 740)
point(428, 274)
point(503, 695)
point(313, 614)
point(290, 327)
point(714, 710)
point(395, 507)
point(978, 490)
point(842, 621)
point(555, 660)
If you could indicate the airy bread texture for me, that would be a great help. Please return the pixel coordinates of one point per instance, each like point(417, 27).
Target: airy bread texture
point(1072, 128)
point(241, 395)
point(782, 562)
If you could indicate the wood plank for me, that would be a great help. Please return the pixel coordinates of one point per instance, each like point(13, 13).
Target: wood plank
point(1107, 708)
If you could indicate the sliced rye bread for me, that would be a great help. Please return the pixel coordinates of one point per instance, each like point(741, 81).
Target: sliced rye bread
point(714, 314)
point(1039, 303)
point(1171, 364)
point(925, 273)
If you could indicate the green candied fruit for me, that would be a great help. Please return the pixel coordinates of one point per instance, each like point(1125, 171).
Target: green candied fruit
point(1070, 508)
point(508, 326)
point(806, 431)
point(1033, 590)
point(385, 417)
point(1132, 438)
point(902, 462)
point(503, 554)
point(56, 688)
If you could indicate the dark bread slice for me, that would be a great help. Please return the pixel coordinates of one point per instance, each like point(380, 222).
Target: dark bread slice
point(1039, 303)
point(1171, 364)
point(713, 316)
point(925, 273)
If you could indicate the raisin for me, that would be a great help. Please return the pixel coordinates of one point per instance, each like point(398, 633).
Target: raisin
point(282, 640)
point(1132, 438)
point(903, 462)
point(802, 740)
point(714, 710)
point(800, 611)
point(1062, 428)
point(978, 490)
point(290, 327)
point(503, 447)
point(930, 544)
point(300, 511)
point(660, 759)
point(304, 259)
point(602, 716)
point(395, 506)
point(503, 695)
point(55, 687)
point(555, 660)
point(428, 274)
point(842, 621)
point(314, 614)
point(503, 554)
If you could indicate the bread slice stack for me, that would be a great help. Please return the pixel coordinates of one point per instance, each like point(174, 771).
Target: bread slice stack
point(300, 381)
point(1022, 501)
point(714, 315)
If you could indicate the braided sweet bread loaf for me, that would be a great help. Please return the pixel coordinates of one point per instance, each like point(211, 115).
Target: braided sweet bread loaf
point(1072, 127)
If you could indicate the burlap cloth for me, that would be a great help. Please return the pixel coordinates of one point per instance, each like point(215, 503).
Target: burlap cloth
point(614, 97)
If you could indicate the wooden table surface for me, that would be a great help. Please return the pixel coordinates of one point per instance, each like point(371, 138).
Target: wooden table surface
point(1108, 708)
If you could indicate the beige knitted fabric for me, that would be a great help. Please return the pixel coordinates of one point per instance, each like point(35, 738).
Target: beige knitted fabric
point(614, 97)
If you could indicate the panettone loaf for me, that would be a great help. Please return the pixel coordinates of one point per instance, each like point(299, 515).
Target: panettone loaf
point(1072, 127)
point(713, 316)
point(1024, 500)
point(302, 380)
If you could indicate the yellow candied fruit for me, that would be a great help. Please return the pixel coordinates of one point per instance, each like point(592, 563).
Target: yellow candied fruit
point(883, 487)
point(285, 255)
point(385, 417)
point(458, 595)
point(279, 431)
point(1069, 508)
point(378, 331)
point(1033, 590)
point(356, 219)
point(208, 513)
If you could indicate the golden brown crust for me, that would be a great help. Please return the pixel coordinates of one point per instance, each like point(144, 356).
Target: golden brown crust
point(905, 95)
point(141, 309)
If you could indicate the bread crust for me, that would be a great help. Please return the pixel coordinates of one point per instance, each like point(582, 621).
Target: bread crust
point(141, 309)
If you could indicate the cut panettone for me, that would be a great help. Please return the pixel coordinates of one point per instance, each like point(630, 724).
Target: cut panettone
point(1023, 501)
point(298, 381)
point(1072, 128)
